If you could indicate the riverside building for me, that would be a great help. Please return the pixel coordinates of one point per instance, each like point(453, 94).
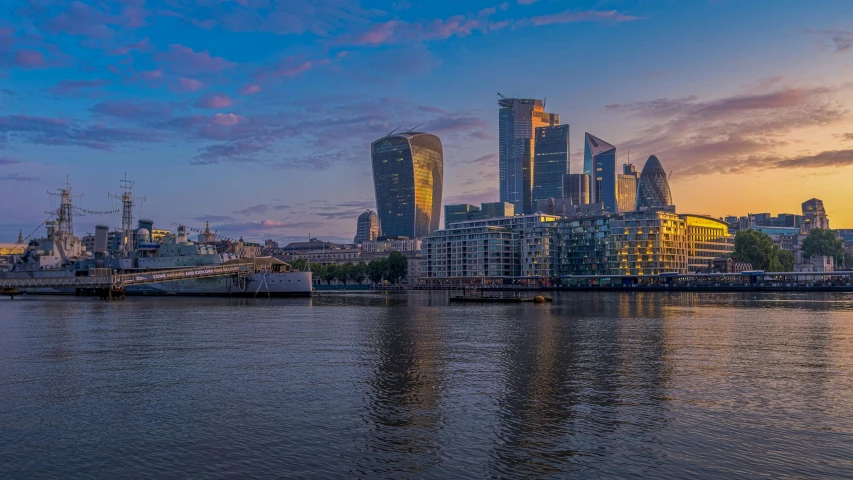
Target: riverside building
point(648, 242)
point(463, 212)
point(707, 239)
point(498, 250)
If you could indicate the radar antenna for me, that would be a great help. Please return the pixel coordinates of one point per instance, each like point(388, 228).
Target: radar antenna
point(499, 94)
point(65, 213)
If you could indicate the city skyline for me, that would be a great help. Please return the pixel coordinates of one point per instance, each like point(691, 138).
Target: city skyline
point(172, 94)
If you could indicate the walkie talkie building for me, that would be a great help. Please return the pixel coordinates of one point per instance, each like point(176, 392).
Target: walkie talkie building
point(408, 176)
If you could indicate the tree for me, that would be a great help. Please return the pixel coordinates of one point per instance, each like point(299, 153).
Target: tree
point(300, 264)
point(377, 270)
point(359, 272)
point(345, 273)
point(398, 267)
point(758, 249)
point(330, 272)
point(785, 261)
point(848, 259)
point(318, 271)
point(823, 242)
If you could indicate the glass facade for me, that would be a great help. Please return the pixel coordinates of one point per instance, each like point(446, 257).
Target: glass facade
point(459, 213)
point(408, 176)
point(576, 188)
point(707, 239)
point(626, 189)
point(518, 118)
point(648, 243)
point(653, 188)
point(550, 162)
point(367, 228)
point(599, 160)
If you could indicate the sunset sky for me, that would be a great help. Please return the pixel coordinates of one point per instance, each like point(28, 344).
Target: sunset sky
point(257, 115)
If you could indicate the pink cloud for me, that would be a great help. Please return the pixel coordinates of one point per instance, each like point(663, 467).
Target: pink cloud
point(75, 87)
point(589, 16)
point(184, 60)
point(214, 100)
point(186, 84)
point(87, 21)
point(250, 89)
point(29, 59)
point(224, 119)
point(378, 34)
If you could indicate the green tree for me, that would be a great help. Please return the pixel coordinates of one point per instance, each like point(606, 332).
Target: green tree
point(345, 273)
point(359, 272)
point(785, 261)
point(848, 259)
point(300, 264)
point(398, 267)
point(330, 272)
point(758, 249)
point(823, 242)
point(377, 270)
point(318, 271)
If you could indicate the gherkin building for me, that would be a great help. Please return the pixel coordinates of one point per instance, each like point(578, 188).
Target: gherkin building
point(653, 189)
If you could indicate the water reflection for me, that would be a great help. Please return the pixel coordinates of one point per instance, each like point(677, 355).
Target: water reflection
point(664, 385)
point(403, 412)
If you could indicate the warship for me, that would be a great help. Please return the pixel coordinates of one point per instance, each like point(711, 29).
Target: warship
point(62, 254)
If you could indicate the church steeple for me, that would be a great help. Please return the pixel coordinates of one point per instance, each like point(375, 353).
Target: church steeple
point(20, 237)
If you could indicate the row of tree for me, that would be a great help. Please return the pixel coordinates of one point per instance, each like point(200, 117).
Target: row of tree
point(392, 269)
point(758, 249)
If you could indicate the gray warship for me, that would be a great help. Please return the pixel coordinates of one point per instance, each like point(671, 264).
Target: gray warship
point(62, 254)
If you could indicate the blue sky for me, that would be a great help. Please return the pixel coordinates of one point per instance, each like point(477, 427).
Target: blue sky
point(257, 115)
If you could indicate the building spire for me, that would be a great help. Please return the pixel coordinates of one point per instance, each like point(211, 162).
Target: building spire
point(20, 237)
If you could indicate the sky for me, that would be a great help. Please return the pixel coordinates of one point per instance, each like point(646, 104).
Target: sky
point(257, 115)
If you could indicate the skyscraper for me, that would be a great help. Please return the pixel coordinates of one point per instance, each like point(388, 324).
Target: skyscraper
point(626, 188)
point(408, 176)
point(550, 161)
point(814, 215)
point(367, 228)
point(576, 188)
point(653, 189)
point(518, 118)
point(599, 162)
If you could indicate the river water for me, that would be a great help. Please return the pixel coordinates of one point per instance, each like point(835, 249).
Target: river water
point(664, 385)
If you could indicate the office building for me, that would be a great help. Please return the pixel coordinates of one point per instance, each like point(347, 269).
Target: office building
point(576, 188)
point(408, 176)
point(814, 215)
point(550, 161)
point(367, 227)
point(518, 120)
point(648, 242)
point(459, 213)
point(599, 162)
point(463, 212)
point(707, 240)
point(626, 188)
point(653, 188)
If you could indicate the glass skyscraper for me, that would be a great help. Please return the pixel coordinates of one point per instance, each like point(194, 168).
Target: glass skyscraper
point(518, 119)
point(626, 188)
point(408, 176)
point(576, 188)
point(599, 162)
point(550, 162)
point(653, 189)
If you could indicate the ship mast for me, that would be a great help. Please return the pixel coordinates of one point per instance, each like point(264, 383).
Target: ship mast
point(64, 215)
point(126, 198)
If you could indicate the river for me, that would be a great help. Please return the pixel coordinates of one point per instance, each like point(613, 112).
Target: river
point(604, 385)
